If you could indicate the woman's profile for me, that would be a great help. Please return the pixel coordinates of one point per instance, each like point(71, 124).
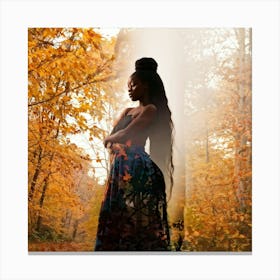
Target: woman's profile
point(133, 215)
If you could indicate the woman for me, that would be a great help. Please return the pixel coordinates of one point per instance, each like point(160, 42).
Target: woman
point(133, 214)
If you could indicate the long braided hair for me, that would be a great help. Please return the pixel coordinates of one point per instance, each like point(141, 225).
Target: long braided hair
point(161, 135)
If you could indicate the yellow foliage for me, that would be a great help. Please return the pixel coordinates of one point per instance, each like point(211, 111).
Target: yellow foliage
point(68, 69)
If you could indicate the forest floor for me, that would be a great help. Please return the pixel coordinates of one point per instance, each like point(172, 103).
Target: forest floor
point(64, 246)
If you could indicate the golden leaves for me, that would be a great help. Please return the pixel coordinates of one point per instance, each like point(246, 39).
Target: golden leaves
point(127, 176)
point(70, 87)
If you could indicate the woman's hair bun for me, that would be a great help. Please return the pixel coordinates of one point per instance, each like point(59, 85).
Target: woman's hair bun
point(146, 64)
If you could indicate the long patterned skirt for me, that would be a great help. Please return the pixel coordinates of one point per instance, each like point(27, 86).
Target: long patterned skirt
point(133, 215)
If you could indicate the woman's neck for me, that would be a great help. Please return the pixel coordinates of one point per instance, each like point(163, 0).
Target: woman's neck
point(144, 102)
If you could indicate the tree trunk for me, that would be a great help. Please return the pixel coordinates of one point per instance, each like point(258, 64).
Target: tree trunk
point(75, 228)
point(43, 195)
point(244, 105)
point(35, 176)
point(41, 203)
point(206, 146)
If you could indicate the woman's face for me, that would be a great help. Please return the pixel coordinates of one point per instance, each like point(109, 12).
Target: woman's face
point(136, 89)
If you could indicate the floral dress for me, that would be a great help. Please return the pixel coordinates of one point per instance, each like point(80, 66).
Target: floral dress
point(133, 215)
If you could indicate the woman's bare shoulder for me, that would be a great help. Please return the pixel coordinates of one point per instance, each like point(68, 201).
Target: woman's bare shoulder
point(150, 107)
point(148, 112)
point(126, 110)
point(136, 111)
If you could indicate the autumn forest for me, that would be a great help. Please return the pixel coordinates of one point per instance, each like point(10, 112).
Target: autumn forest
point(77, 86)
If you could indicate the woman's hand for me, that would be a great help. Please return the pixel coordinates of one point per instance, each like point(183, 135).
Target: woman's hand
point(107, 142)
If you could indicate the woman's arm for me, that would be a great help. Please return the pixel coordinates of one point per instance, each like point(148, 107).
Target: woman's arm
point(142, 121)
point(124, 112)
